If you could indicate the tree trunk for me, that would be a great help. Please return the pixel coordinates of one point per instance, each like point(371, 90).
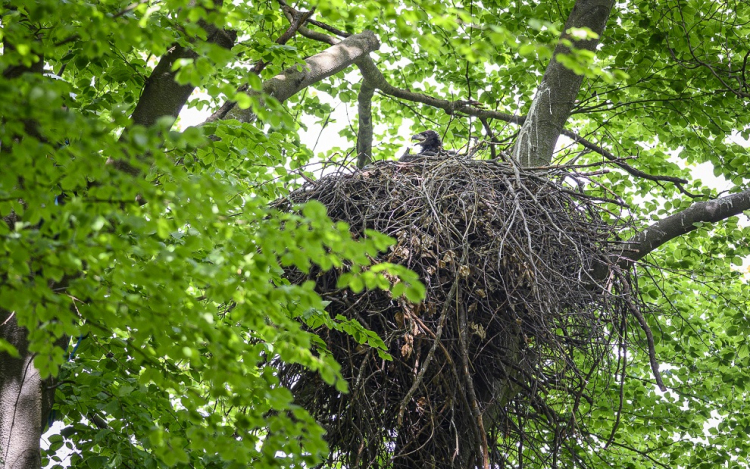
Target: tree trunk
point(556, 94)
point(25, 400)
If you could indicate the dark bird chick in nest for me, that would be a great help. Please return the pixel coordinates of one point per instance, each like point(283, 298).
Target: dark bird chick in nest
point(429, 143)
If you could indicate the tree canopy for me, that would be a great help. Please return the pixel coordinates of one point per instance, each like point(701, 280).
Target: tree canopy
point(142, 280)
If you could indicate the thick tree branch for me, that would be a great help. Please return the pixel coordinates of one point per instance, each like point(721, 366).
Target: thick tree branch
point(162, 95)
point(681, 223)
point(556, 94)
point(296, 19)
point(665, 230)
point(316, 68)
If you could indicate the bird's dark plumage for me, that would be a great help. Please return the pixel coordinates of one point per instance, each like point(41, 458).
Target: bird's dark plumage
point(429, 140)
point(430, 144)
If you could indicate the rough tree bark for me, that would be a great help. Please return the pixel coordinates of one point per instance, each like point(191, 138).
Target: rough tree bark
point(557, 92)
point(162, 96)
point(21, 400)
point(25, 399)
point(680, 223)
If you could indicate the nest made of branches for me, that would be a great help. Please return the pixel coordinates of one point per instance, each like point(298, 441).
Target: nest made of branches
point(513, 325)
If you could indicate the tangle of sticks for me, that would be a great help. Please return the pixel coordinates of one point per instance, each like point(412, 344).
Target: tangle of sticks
point(493, 366)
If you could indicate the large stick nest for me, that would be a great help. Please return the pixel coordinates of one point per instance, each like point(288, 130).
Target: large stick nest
point(493, 365)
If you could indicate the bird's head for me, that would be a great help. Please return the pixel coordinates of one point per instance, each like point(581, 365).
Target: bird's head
point(429, 140)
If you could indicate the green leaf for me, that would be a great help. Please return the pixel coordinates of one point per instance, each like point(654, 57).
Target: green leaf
point(7, 347)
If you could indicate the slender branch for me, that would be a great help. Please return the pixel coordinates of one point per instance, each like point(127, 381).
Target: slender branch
point(370, 72)
point(701, 63)
point(646, 329)
point(629, 169)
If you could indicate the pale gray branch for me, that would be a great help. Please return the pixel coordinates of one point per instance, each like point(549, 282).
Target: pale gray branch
point(314, 69)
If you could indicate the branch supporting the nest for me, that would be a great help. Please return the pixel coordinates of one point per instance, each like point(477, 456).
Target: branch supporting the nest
point(681, 223)
point(364, 131)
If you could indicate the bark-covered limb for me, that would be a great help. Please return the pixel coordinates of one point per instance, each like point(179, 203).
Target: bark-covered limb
point(364, 131)
point(374, 77)
point(557, 92)
point(316, 36)
point(162, 95)
point(296, 19)
point(651, 346)
point(316, 68)
point(322, 65)
point(681, 223)
point(636, 312)
point(20, 399)
point(25, 398)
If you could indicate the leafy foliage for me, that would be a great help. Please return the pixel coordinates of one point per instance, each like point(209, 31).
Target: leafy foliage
point(169, 280)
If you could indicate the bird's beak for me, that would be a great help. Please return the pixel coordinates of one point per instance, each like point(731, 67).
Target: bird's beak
point(418, 137)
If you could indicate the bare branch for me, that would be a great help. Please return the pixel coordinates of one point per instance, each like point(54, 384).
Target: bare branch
point(370, 72)
point(630, 170)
